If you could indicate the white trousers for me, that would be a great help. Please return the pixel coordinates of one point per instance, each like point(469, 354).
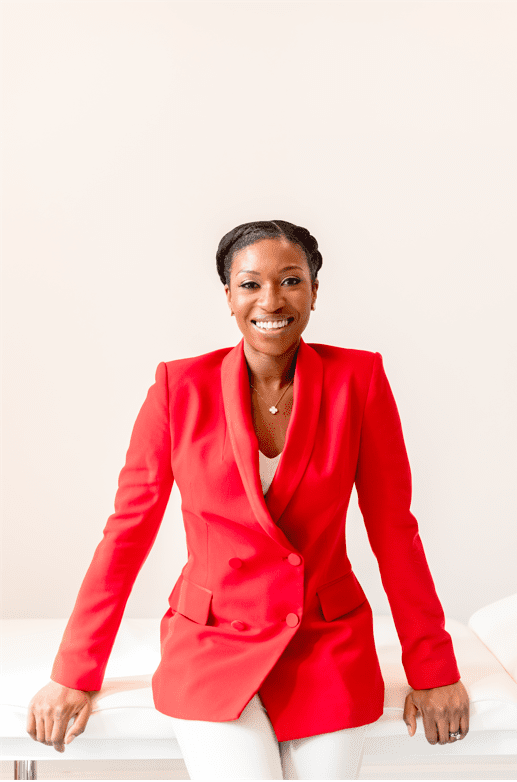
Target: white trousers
point(247, 748)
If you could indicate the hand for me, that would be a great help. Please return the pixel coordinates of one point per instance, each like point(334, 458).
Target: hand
point(50, 711)
point(444, 710)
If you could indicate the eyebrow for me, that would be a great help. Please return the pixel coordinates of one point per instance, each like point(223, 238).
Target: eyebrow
point(250, 271)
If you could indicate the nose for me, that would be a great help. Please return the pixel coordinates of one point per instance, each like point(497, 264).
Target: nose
point(271, 297)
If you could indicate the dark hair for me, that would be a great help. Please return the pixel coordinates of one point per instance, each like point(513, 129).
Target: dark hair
point(249, 233)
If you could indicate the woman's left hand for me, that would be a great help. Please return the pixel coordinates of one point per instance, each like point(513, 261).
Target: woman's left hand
point(444, 710)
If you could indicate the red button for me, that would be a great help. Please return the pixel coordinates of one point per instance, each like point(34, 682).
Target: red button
point(294, 559)
point(291, 619)
point(235, 562)
point(239, 625)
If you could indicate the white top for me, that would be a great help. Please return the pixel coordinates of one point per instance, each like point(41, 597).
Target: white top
point(267, 468)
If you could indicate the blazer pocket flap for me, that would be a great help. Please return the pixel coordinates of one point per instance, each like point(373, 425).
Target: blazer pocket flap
point(340, 596)
point(193, 601)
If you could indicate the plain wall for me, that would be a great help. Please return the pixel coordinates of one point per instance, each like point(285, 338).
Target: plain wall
point(136, 134)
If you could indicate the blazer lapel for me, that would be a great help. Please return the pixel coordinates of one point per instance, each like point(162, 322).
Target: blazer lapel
point(301, 431)
point(300, 435)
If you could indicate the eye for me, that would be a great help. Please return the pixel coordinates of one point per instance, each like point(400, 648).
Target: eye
point(291, 280)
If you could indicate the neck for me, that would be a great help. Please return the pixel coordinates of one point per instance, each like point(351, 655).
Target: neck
point(271, 372)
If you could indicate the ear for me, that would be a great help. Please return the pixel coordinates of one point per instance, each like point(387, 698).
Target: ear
point(315, 286)
point(228, 298)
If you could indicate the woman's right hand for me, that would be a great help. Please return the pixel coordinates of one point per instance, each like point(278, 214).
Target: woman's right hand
point(52, 708)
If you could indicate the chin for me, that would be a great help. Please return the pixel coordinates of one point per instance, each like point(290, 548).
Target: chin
point(274, 347)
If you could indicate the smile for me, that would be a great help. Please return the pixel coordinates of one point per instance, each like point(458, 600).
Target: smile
point(272, 327)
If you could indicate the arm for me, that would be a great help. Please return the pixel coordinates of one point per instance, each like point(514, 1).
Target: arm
point(383, 482)
point(144, 487)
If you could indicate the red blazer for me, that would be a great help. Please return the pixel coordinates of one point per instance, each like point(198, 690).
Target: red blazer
point(267, 601)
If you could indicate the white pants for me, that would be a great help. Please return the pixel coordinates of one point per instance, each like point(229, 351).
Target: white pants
point(247, 748)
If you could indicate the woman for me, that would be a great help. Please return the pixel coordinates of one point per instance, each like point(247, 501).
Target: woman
point(268, 666)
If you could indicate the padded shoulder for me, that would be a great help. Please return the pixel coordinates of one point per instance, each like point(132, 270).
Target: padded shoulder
point(188, 368)
point(350, 361)
point(337, 353)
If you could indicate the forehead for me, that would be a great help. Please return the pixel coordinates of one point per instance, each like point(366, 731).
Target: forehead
point(271, 252)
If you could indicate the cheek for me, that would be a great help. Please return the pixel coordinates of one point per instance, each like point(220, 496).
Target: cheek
point(242, 316)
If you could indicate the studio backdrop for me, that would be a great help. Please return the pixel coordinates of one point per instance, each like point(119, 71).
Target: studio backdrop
point(136, 134)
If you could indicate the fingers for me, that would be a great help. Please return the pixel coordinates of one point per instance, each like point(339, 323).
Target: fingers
point(443, 712)
point(462, 717)
point(464, 725)
point(31, 723)
point(79, 723)
point(458, 724)
point(445, 726)
point(49, 726)
point(410, 711)
point(52, 729)
point(430, 727)
point(51, 711)
point(40, 728)
point(72, 732)
point(57, 738)
point(409, 715)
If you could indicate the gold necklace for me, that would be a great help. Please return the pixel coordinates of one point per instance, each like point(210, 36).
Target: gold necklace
point(273, 409)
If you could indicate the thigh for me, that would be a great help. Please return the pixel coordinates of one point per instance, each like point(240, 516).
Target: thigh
point(336, 755)
point(245, 748)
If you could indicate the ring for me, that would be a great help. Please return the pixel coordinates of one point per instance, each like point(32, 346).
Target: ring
point(455, 735)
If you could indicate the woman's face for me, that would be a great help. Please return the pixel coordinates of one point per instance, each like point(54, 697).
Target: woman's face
point(270, 281)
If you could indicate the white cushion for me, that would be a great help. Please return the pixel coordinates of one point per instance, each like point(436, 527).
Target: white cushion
point(496, 626)
point(124, 707)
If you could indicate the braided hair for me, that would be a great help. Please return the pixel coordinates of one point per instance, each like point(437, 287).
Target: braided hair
point(249, 233)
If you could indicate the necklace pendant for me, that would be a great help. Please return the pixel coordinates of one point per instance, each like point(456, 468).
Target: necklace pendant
point(273, 409)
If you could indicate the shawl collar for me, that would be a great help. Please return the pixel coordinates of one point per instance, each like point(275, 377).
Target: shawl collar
point(300, 435)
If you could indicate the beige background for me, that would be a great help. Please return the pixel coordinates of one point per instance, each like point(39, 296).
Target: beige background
point(137, 133)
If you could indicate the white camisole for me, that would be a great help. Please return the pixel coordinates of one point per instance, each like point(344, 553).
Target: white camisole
point(267, 468)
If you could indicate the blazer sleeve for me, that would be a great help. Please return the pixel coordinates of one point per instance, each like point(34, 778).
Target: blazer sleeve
point(383, 483)
point(144, 487)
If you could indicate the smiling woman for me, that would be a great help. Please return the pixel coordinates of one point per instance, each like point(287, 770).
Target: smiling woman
point(269, 271)
point(268, 663)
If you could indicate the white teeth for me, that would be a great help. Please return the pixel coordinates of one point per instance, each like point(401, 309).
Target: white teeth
point(271, 325)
